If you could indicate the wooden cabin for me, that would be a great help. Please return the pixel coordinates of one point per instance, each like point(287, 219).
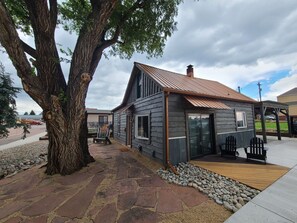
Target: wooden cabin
point(177, 117)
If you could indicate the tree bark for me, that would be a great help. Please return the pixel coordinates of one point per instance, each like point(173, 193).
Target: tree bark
point(63, 103)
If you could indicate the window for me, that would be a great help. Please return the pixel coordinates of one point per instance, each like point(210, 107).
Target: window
point(241, 119)
point(139, 86)
point(142, 126)
point(103, 120)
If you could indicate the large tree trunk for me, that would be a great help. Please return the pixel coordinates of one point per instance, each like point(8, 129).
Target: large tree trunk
point(68, 146)
point(42, 77)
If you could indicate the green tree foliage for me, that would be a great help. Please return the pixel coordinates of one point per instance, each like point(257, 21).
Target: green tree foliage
point(32, 112)
point(8, 114)
point(103, 27)
point(26, 113)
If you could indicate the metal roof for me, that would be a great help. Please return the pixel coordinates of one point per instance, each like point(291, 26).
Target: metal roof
point(206, 102)
point(97, 111)
point(179, 83)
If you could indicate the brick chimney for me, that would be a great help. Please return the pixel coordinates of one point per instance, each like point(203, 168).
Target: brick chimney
point(190, 71)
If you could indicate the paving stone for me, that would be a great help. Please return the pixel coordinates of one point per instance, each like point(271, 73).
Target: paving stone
point(96, 168)
point(126, 201)
point(75, 178)
point(168, 202)
point(14, 220)
point(130, 159)
point(35, 192)
point(153, 181)
point(59, 219)
point(45, 205)
point(138, 215)
point(188, 195)
point(146, 197)
point(145, 170)
point(122, 173)
point(11, 208)
point(21, 185)
point(135, 172)
point(126, 185)
point(108, 214)
point(40, 219)
point(78, 204)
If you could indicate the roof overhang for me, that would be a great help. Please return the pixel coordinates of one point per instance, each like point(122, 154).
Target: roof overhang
point(206, 102)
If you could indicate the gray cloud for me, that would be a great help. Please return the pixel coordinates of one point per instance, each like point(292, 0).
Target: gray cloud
point(233, 32)
point(235, 42)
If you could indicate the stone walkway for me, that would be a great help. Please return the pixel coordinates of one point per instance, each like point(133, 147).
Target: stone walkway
point(116, 188)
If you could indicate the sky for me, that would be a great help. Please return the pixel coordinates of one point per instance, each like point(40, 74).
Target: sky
point(235, 42)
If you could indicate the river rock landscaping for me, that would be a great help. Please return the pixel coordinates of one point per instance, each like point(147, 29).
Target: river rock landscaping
point(21, 158)
point(223, 190)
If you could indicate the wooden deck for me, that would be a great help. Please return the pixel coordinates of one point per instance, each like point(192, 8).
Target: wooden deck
point(256, 175)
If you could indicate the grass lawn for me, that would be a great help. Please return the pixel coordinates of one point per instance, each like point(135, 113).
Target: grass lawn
point(271, 126)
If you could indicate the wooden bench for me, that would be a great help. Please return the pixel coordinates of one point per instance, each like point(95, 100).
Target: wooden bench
point(256, 150)
point(229, 147)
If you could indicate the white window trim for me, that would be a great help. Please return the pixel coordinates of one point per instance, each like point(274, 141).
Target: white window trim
point(136, 127)
point(244, 120)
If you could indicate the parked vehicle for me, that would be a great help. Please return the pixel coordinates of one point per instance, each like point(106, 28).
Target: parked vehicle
point(270, 117)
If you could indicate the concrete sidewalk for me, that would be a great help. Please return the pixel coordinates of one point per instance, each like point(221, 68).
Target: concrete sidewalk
point(277, 203)
point(20, 142)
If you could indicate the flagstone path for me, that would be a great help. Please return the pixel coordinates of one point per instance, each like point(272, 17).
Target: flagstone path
point(119, 187)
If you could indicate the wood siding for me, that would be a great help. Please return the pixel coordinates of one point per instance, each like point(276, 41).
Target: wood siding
point(225, 123)
point(177, 129)
point(152, 106)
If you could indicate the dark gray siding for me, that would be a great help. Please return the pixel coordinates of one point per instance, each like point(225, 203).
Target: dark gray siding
point(148, 87)
point(177, 129)
point(152, 106)
point(225, 123)
point(119, 125)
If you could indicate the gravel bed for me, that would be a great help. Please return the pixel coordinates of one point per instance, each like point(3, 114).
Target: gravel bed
point(21, 158)
point(223, 190)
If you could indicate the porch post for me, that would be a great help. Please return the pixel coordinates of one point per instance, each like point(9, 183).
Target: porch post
point(276, 111)
point(262, 112)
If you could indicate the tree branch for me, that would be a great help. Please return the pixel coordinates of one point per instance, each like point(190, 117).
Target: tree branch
point(115, 39)
point(53, 12)
point(28, 49)
point(43, 21)
point(10, 40)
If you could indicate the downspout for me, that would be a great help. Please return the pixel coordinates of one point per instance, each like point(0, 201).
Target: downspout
point(168, 164)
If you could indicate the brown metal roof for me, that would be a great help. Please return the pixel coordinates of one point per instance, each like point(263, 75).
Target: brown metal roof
point(206, 102)
point(179, 83)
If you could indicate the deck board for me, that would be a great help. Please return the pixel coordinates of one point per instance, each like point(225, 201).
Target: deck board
point(258, 176)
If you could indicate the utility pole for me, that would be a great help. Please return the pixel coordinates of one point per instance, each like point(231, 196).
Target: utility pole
point(260, 89)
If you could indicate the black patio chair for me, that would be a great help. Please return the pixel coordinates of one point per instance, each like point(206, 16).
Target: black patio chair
point(229, 147)
point(256, 150)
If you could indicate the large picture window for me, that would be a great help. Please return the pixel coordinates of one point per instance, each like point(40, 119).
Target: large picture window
point(142, 126)
point(241, 119)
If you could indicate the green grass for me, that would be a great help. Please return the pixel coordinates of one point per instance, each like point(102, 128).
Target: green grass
point(271, 126)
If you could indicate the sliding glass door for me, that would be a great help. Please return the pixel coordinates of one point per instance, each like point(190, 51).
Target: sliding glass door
point(200, 134)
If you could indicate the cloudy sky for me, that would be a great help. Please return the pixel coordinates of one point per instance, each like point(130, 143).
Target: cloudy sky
point(235, 42)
